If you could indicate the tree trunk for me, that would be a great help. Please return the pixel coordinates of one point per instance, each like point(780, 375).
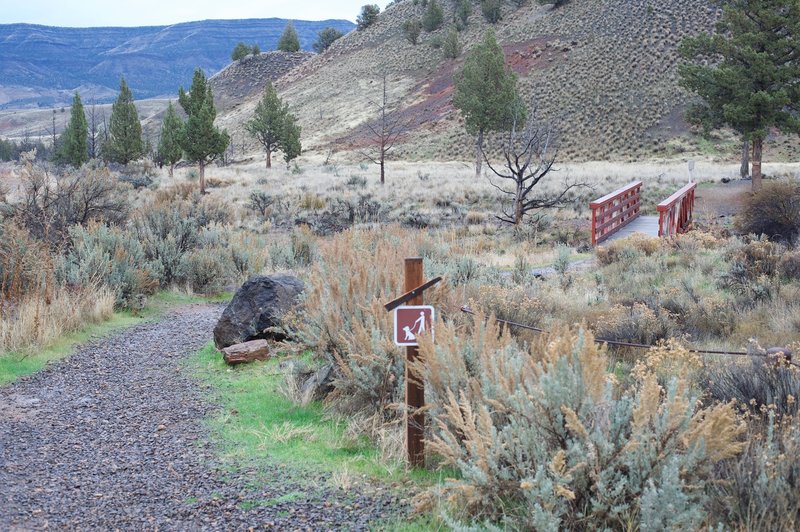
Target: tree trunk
point(758, 145)
point(479, 153)
point(269, 159)
point(518, 200)
point(171, 170)
point(383, 167)
point(202, 177)
point(744, 171)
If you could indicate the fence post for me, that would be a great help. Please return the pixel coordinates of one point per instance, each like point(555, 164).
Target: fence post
point(415, 391)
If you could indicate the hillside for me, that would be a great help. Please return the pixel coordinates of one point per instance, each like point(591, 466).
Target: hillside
point(247, 77)
point(42, 66)
point(604, 71)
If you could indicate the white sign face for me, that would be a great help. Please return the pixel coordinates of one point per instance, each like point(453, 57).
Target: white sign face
point(691, 165)
point(411, 321)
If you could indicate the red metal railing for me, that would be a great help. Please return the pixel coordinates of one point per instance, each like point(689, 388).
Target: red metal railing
point(675, 212)
point(611, 212)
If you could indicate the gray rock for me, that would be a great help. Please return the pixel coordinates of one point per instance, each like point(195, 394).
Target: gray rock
point(257, 309)
point(318, 386)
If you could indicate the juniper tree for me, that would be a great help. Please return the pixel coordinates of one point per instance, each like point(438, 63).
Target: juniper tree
point(289, 41)
point(433, 17)
point(274, 127)
point(73, 144)
point(451, 46)
point(240, 51)
point(486, 93)
point(368, 16)
point(748, 73)
point(169, 145)
point(124, 142)
point(463, 12)
point(201, 141)
point(325, 38)
point(412, 29)
point(492, 10)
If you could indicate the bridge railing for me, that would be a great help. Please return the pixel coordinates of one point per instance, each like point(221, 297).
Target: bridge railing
point(675, 213)
point(613, 211)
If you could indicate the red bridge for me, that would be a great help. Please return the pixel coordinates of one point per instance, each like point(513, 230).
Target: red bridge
point(617, 215)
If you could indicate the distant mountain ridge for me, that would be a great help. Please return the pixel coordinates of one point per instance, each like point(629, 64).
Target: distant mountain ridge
point(41, 66)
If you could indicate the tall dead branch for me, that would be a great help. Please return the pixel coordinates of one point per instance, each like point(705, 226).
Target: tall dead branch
point(529, 153)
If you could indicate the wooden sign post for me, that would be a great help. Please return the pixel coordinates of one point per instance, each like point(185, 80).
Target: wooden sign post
point(415, 390)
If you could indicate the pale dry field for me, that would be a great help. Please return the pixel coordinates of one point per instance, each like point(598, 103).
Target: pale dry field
point(424, 183)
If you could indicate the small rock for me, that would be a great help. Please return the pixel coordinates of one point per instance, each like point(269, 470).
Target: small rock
point(319, 385)
point(246, 352)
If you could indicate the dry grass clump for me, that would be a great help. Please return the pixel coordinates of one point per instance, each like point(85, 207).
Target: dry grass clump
point(621, 250)
point(36, 321)
point(545, 439)
point(343, 320)
point(761, 485)
point(773, 211)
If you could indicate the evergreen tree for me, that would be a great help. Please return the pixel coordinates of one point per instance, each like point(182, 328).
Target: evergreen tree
point(124, 142)
point(748, 73)
point(434, 16)
point(291, 146)
point(73, 145)
point(368, 16)
point(486, 93)
point(492, 10)
point(451, 46)
point(412, 29)
point(325, 38)
point(201, 141)
point(274, 127)
point(289, 42)
point(240, 51)
point(169, 146)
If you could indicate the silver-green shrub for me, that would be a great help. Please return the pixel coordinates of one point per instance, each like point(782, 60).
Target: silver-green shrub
point(544, 438)
point(108, 256)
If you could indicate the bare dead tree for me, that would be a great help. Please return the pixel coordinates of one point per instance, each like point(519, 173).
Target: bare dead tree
point(94, 130)
point(530, 153)
point(384, 132)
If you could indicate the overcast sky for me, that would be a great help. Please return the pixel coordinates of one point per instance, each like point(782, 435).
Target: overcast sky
point(87, 13)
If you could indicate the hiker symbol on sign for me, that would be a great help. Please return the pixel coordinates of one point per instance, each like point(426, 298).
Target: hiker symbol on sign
point(410, 322)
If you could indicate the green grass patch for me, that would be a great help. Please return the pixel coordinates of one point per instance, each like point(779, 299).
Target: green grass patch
point(14, 365)
point(257, 423)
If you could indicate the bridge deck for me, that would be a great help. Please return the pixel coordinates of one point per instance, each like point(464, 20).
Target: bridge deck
point(647, 225)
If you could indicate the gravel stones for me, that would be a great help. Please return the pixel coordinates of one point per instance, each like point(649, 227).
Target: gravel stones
point(113, 437)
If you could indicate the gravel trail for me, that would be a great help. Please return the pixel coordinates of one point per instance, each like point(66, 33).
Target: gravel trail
point(113, 438)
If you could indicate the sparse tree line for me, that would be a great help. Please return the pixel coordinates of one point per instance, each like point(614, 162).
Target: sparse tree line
point(289, 42)
point(196, 139)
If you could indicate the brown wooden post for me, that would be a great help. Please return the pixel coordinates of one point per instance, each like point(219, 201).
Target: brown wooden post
point(415, 391)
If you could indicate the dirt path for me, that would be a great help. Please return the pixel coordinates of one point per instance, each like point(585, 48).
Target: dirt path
point(112, 438)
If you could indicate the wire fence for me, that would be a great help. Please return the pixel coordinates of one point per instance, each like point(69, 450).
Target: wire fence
point(787, 353)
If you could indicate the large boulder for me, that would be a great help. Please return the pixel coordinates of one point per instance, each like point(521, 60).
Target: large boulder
point(258, 307)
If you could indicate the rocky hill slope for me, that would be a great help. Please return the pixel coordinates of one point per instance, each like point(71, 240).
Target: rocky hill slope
point(603, 71)
point(41, 66)
point(246, 78)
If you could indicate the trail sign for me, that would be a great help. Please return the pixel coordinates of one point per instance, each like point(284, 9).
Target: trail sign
point(411, 321)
